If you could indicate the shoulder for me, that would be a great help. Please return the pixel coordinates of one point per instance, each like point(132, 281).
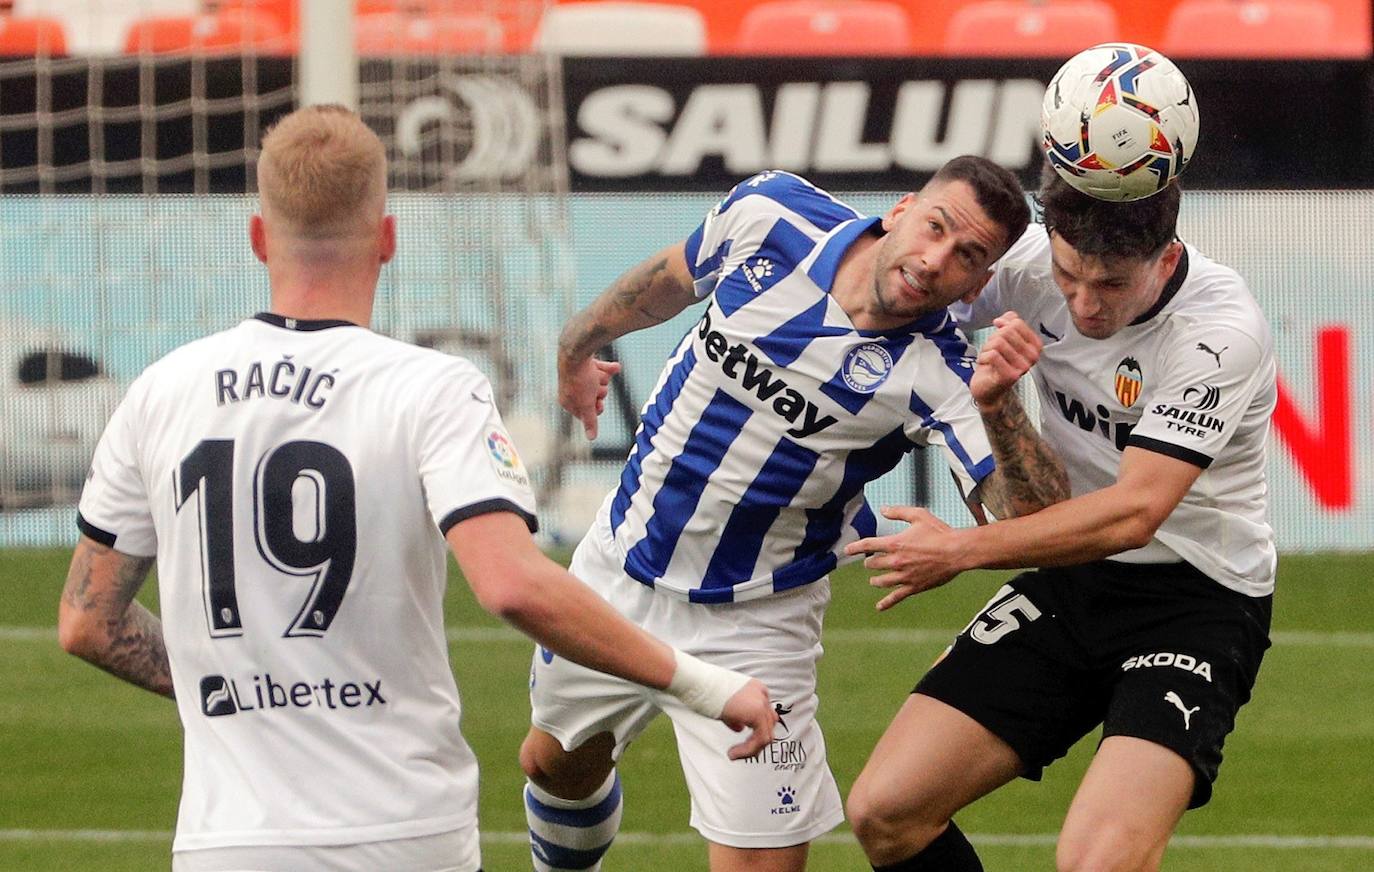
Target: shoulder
point(1216, 300)
point(776, 192)
point(1029, 254)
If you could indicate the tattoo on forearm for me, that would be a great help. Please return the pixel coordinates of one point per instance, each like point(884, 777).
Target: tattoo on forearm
point(628, 304)
point(100, 591)
point(1029, 476)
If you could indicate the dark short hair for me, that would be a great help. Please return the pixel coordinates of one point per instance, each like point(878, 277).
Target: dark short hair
point(1138, 230)
point(996, 189)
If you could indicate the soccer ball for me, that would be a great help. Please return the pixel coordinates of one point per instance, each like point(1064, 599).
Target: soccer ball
point(1120, 121)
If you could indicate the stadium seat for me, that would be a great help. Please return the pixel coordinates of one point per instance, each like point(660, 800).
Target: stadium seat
point(825, 27)
point(1011, 28)
point(31, 37)
point(100, 26)
point(1249, 29)
point(286, 13)
point(232, 30)
point(389, 33)
point(627, 29)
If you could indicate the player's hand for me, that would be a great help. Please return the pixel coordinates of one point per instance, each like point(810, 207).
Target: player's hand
point(750, 708)
point(922, 556)
point(1008, 354)
point(582, 390)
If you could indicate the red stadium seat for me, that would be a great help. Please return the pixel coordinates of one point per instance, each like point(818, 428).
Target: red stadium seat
point(388, 33)
point(30, 37)
point(825, 27)
point(286, 13)
point(1249, 29)
point(1009, 28)
point(233, 30)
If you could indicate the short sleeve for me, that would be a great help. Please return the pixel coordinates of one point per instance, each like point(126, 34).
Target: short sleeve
point(943, 413)
point(468, 463)
point(115, 509)
point(755, 202)
point(1211, 377)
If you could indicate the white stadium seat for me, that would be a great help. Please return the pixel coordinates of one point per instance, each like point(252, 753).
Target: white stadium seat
point(621, 29)
point(100, 26)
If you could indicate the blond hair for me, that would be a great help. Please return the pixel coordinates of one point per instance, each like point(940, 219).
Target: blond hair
point(322, 173)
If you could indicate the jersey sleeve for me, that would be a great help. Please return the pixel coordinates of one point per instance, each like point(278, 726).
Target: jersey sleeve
point(943, 413)
point(760, 199)
point(468, 463)
point(115, 509)
point(1212, 376)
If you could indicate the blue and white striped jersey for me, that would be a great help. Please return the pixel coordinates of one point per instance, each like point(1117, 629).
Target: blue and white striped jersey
point(748, 469)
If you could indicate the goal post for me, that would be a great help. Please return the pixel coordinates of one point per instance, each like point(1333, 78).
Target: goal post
point(127, 183)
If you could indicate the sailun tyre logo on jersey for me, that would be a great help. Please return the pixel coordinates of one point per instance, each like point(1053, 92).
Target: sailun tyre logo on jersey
point(866, 367)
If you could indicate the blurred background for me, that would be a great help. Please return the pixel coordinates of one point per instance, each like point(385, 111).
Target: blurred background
point(538, 149)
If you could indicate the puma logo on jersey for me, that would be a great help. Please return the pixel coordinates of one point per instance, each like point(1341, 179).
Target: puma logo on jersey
point(1202, 346)
point(1048, 334)
point(1187, 712)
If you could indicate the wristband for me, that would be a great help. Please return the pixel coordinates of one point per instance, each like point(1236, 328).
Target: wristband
point(703, 687)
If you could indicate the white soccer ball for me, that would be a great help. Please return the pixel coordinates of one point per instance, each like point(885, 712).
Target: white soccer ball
point(1120, 121)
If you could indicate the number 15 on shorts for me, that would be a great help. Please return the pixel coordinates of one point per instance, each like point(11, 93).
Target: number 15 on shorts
point(1003, 614)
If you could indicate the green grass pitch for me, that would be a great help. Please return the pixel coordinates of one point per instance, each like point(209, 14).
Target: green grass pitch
point(90, 767)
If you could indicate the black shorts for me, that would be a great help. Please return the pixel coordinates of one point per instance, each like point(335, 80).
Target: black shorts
point(1156, 651)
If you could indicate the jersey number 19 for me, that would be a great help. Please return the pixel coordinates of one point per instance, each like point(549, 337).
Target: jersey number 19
point(207, 473)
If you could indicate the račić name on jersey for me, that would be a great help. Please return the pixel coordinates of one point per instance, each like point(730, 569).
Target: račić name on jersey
point(282, 380)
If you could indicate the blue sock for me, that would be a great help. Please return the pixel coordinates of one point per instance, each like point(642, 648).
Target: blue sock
point(572, 833)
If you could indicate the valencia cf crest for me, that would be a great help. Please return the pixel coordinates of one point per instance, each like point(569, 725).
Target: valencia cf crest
point(1128, 381)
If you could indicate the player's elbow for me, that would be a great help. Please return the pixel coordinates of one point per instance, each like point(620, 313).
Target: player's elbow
point(1137, 529)
point(511, 597)
point(79, 633)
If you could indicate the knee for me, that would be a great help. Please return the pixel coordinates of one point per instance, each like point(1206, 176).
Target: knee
point(570, 774)
point(1110, 846)
point(532, 760)
point(887, 826)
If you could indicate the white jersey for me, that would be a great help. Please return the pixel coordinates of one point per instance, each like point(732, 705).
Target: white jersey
point(1194, 378)
point(748, 469)
point(293, 479)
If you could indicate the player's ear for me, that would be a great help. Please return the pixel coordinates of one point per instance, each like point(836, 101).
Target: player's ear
point(890, 219)
point(1169, 258)
point(257, 237)
point(388, 238)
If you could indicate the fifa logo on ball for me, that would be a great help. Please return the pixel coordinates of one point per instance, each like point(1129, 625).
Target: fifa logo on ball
point(1119, 122)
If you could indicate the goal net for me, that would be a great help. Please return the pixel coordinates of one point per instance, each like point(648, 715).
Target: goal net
point(126, 168)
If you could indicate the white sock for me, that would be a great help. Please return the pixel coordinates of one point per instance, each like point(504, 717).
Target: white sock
point(573, 833)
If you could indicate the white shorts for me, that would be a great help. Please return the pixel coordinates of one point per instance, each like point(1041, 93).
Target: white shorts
point(456, 851)
point(784, 796)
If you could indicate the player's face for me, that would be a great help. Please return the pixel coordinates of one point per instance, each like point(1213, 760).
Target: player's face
point(938, 247)
point(1105, 295)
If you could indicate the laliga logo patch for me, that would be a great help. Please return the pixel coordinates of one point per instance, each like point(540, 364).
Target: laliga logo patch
point(505, 459)
point(1128, 381)
point(866, 367)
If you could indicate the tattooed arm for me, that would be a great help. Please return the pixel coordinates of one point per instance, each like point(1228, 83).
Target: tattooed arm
point(99, 621)
point(647, 294)
point(1029, 475)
